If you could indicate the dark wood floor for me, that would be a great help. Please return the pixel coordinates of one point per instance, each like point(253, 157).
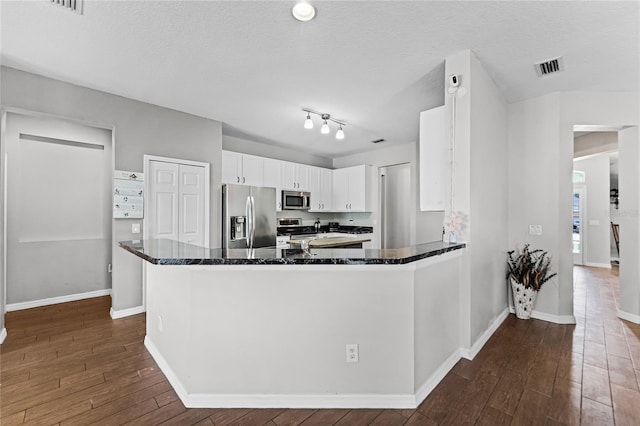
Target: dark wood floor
point(72, 364)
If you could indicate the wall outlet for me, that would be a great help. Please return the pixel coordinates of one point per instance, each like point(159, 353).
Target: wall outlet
point(352, 353)
point(535, 229)
point(135, 228)
point(160, 325)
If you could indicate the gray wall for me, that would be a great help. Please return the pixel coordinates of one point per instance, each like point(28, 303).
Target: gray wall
point(480, 192)
point(540, 179)
point(58, 209)
point(244, 146)
point(138, 129)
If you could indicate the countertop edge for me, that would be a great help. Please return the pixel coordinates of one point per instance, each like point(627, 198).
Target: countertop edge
point(292, 260)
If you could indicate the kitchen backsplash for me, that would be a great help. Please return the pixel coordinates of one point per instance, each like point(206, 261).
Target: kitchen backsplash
point(351, 219)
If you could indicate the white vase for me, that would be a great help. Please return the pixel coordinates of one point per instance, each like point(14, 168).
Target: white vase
point(523, 299)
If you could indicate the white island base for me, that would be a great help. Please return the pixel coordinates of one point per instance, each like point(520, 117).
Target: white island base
point(276, 335)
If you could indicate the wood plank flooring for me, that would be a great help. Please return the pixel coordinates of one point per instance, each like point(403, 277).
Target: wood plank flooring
point(70, 364)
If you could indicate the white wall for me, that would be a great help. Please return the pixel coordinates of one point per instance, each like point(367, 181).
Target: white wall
point(540, 178)
point(597, 220)
point(59, 210)
point(139, 129)
point(480, 192)
point(426, 226)
point(628, 216)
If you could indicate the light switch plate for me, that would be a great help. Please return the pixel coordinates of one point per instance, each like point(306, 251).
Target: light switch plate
point(535, 229)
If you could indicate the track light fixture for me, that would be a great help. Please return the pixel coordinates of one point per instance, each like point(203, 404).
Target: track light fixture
point(324, 129)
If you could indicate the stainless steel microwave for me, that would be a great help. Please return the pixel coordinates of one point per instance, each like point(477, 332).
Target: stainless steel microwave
point(296, 200)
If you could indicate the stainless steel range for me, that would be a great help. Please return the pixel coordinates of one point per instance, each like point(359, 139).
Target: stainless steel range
point(294, 228)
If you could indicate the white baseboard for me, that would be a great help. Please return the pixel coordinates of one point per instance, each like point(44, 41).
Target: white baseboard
point(126, 312)
point(55, 300)
point(426, 388)
point(3, 335)
point(599, 265)
point(557, 319)
point(470, 353)
point(200, 400)
point(629, 316)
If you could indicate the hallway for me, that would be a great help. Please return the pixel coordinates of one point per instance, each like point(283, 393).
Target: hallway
point(72, 364)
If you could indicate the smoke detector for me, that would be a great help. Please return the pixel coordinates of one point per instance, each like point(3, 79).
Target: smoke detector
point(550, 66)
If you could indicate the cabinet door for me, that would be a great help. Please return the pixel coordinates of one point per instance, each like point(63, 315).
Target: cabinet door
point(271, 177)
point(341, 190)
point(231, 167)
point(302, 177)
point(289, 178)
point(252, 170)
point(315, 187)
point(326, 186)
point(357, 188)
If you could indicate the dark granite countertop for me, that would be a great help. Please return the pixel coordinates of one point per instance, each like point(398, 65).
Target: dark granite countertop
point(170, 252)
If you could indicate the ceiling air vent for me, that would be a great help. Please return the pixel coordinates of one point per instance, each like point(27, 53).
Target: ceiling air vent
point(73, 5)
point(549, 67)
point(378, 141)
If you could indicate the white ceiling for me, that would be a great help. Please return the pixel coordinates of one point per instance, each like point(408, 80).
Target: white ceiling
point(375, 65)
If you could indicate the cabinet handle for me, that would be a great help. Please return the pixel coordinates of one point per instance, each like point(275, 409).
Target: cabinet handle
point(346, 206)
point(238, 179)
point(349, 206)
point(243, 179)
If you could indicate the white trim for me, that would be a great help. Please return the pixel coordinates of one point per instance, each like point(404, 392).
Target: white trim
point(55, 300)
point(627, 316)
point(470, 353)
point(201, 400)
point(557, 319)
point(126, 312)
point(598, 265)
point(433, 381)
point(3, 335)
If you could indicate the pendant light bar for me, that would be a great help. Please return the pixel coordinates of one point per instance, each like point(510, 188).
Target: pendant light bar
point(324, 129)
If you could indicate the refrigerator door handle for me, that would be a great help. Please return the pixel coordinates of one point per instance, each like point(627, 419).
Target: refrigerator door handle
point(252, 215)
point(249, 224)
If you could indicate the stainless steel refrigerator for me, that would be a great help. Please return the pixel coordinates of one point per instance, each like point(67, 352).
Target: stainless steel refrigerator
point(249, 216)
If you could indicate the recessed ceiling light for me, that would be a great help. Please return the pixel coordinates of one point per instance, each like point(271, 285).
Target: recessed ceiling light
point(303, 11)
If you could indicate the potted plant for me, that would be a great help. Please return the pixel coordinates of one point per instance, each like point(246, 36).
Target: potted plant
point(528, 270)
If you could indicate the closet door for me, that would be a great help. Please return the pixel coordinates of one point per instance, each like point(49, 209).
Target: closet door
point(163, 196)
point(191, 194)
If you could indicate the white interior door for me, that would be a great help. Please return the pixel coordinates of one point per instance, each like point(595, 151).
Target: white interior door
point(178, 200)
point(191, 194)
point(163, 193)
point(578, 232)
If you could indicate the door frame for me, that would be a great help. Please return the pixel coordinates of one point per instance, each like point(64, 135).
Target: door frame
point(147, 159)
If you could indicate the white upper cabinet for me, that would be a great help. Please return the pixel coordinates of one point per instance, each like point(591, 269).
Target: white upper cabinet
point(321, 188)
point(273, 177)
point(433, 159)
point(295, 176)
point(242, 169)
point(352, 189)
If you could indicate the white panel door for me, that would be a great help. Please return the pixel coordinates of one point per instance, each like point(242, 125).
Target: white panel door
point(163, 200)
point(191, 193)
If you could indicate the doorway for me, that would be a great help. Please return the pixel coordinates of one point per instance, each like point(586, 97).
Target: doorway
point(395, 199)
point(57, 192)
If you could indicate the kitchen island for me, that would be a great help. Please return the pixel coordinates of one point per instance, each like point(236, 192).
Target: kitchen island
point(270, 327)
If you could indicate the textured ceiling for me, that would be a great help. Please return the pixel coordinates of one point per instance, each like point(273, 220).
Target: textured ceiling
point(373, 64)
